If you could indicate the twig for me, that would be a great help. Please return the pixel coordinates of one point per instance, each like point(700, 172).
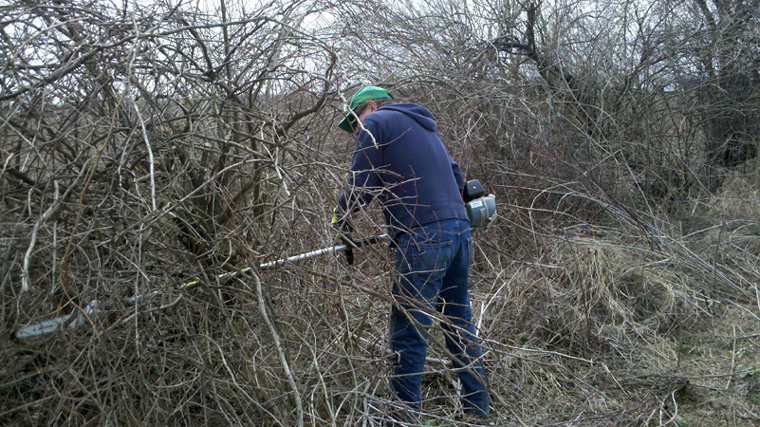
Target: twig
point(278, 346)
point(598, 417)
point(675, 409)
point(33, 240)
point(733, 360)
point(5, 165)
point(555, 353)
point(142, 122)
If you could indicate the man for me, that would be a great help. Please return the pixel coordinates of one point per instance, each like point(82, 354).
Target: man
point(400, 161)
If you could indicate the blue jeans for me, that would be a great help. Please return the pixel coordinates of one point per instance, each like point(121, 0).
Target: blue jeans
point(432, 269)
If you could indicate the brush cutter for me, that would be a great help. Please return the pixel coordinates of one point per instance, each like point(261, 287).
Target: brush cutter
point(96, 308)
point(480, 207)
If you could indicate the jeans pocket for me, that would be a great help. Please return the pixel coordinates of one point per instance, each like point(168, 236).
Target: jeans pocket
point(429, 261)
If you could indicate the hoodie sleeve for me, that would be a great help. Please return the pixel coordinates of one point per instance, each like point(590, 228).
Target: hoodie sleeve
point(364, 181)
point(457, 174)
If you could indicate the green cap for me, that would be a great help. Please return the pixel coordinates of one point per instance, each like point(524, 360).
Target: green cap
point(362, 95)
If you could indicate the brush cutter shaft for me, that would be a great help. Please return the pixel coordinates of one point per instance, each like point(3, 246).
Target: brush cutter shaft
point(94, 309)
point(339, 248)
point(306, 255)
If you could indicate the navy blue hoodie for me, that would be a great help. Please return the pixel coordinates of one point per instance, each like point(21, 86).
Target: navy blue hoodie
point(400, 160)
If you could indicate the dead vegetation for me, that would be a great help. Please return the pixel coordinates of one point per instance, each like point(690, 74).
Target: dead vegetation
point(618, 287)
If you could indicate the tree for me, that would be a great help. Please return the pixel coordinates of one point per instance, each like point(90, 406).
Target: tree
point(728, 78)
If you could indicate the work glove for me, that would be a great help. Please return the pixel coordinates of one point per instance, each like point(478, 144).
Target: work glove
point(338, 224)
point(343, 234)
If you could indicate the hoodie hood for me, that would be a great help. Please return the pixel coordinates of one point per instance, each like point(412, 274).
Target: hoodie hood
point(419, 114)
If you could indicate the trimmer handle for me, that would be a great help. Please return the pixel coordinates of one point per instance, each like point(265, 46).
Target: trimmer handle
point(349, 251)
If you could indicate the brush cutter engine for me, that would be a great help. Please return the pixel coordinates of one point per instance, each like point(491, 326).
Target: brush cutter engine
point(481, 207)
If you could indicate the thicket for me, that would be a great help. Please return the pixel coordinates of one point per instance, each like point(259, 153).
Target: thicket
point(145, 146)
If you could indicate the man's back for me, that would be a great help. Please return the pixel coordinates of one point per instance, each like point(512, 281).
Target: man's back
point(399, 153)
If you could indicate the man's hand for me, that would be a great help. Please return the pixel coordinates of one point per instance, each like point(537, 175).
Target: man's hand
point(340, 225)
point(343, 234)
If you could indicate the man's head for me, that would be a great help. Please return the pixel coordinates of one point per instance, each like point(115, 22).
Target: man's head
point(366, 98)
